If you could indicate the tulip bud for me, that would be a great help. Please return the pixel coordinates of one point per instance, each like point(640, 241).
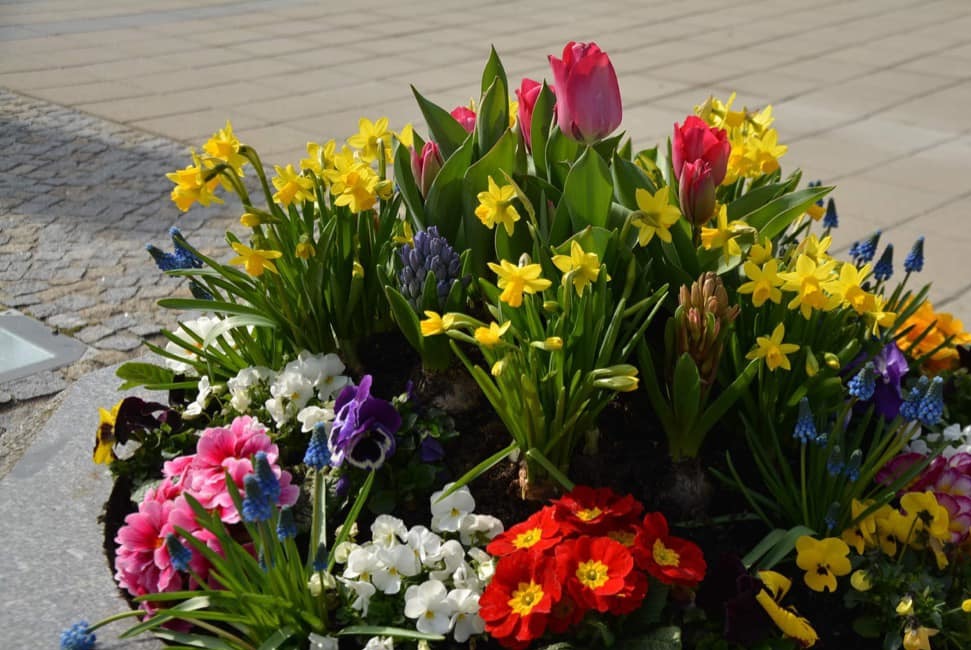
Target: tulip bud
point(464, 116)
point(425, 166)
point(588, 95)
point(697, 192)
point(526, 94)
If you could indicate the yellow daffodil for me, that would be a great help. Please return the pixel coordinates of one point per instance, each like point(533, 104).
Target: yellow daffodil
point(254, 260)
point(495, 206)
point(918, 638)
point(517, 280)
point(931, 519)
point(304, 249)
point(808, 280)
point(775, 587)
point(190, 186)
point(763, 283)
point(250, 220)
point(654, 215)
point(767, 151)
point(863, 534)
point(823, 561)
point(352, 182)
point(490, 336)
point(815, 248)
point(773, 350)
point(435, 324)
point(513, 112)
point(585, 267)
point(406, 136)
point(815, 211)
point(760, 253)
point(104, 446)
point(877, 316)
point(407, 235)
point(224, 146)
point(847, 287)
point(368, 137)
point(292, 186)
point(724, 234)
point(319, 157)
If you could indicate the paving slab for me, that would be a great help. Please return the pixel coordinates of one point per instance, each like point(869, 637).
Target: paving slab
point(55, 572)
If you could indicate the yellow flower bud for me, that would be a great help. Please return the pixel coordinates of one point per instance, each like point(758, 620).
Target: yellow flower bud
point(906, 606)
point(832, 360)
point(358, 271)
point(861, 581)
point(554, 343)
point(250, 220)
point(497, 367)
point(304, 250)
point(812, 365)
point(966, 606)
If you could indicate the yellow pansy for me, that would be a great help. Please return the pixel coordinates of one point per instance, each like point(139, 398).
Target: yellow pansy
point(495, 206)
point(823, 561)
point(918, 638)
point(931, 519)
point(773, 350)
point(654, 215)
point(254, 260)
point(775, 587)
point(517, 280)
point(863, 534)
point(104, 444)
point(584, 266)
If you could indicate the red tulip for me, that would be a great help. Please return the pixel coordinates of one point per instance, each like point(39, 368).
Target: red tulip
point(426, 165)
point(588, 98)
point(695, 140)
point(527, 93)
point(697, 191)
point(465, 117)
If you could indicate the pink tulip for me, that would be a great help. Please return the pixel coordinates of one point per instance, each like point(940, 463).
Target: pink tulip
point(697, 192)
point(695, 140)
point(588, 96)
point(465, 116)
point(526, 94)
point(426, 165)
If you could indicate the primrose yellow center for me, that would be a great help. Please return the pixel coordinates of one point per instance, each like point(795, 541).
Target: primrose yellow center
point(589, 514)
point(528, 538)
point(625, 537)
point(526, 597)
point(592, 574)
point(663, 555)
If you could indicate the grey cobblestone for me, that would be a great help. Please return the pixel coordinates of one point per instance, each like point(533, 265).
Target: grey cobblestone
point(79, 199)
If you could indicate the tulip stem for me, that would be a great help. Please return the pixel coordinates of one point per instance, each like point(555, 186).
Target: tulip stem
point(696, 235)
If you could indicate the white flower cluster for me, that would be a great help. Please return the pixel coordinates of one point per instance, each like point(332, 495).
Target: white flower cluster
point(958, 441)
point(189, 331)
point(442, 571)
point(311, 377)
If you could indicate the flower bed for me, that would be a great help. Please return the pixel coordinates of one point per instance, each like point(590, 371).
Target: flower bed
point(684, 423)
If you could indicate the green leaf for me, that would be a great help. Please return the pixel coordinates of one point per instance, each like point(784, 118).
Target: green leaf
point(628, 178)
point(686, 392)
point(869, 627)
point(445, 129)
point(384, 630)
point(493, 70)
point(727, 398)
point(540, 128)
point(407, 185)
point(588, 191)
point(492, 119)
point(189, 304)
point(193, 640)
point(662, 638)
point(137, 373)
point(405, 317)
point(776, 215)
point(443, 205)
point(561, 151)
point(754, 199)
point(231, 323)
point(276, 639)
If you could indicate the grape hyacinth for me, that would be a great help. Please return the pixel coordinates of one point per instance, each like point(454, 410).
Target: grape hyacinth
point(909, 409)
point(286, 528)
point(864, 251)
point(835, 464)
point(430, 252)
point(853, 467)
point(179, 259)
point(269, 483)
point(931, 406)
point(915, 258)
point(318, 454)
point(178, 553)
point(831, 219)
point(863, 383)
point(805, 431)
point(256, 507)
point(884, 266)
point(77, 637)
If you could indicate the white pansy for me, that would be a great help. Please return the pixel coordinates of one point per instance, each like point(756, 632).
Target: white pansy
point(478, 529)
point(311, 416)
point(485, 564)
point(290, 393)
point(394, 564)
point(201, 328)
point(453, 556)
point(363, 591)
point(464, 577)
point(323, 371)
point(379, 643)
point(426, 544)
point(447, 512)
point(316, 586)
point(196, 408)
point(429, 605)
point(362, 563)
point(241, 386)
point(342, 551)
point(388, 531)
point(466, 620)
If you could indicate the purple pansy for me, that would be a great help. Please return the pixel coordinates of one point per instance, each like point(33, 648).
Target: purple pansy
point(363, 432)
point(890, 366)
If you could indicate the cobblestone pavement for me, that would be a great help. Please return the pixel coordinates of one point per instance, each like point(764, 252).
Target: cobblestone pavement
point(79, 199)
